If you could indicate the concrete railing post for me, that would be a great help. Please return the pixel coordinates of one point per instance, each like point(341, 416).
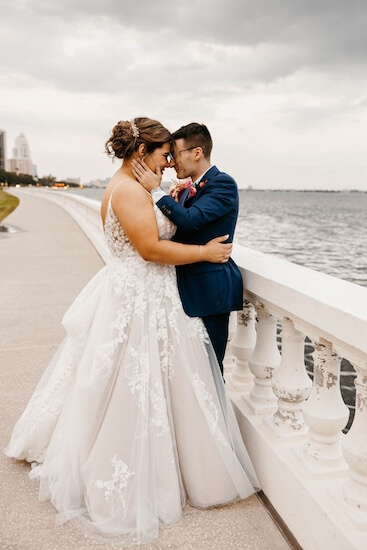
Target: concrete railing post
point(242, 345)
point(325, 412)
point(291, 384)
point(263, 362)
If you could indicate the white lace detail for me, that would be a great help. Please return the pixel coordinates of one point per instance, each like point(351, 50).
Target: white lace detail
point(48, 402)
point(210, 410)
point(45, 406)
point(103, 359)
point(114, 487)
point(137, 372)
point(117, 239)
point(196, 329)
point(159, 418)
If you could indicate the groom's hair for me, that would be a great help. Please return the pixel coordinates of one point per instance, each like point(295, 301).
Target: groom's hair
point(195, 135)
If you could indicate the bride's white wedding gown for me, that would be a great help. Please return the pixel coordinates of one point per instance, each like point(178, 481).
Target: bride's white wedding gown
point(130, 420)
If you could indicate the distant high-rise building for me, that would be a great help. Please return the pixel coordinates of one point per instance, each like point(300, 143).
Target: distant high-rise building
point(2, 149)
point(21, 162)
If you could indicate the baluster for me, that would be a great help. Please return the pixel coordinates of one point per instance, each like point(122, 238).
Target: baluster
point(242, 345)
point(264, 360)
point(325, 412)
point(354, 447)
point(291, 384)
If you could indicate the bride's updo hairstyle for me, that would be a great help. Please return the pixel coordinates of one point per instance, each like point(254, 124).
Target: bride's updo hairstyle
point(127, 135)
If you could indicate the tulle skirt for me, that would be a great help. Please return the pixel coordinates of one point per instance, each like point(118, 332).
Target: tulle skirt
point(130, 420)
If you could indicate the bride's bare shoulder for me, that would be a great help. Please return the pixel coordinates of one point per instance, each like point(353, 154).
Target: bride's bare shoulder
point(129, 190)
point(123, 190)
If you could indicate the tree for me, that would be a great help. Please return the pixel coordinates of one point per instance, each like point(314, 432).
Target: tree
point(13, 179)
point(3, 175)
point(26, 179)
point(47, 180)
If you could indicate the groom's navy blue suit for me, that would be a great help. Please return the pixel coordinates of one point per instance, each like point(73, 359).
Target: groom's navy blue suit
point(208, 290)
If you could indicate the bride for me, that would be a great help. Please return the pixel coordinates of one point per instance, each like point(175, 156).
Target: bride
point(130, 420)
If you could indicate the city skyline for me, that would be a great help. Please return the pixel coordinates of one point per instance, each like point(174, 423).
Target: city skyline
point(280, 84)
point(21, 161)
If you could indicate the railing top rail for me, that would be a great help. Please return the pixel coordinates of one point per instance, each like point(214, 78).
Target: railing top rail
point(322, 305)
point(93, 203)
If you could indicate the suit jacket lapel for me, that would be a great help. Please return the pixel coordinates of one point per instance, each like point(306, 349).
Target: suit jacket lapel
point(210, 174)
point(184, 196)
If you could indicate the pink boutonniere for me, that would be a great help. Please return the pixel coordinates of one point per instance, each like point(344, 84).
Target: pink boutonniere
point(192, 190)
point(179, 186)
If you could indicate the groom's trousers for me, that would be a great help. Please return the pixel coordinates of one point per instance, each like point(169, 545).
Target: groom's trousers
point(217, 327)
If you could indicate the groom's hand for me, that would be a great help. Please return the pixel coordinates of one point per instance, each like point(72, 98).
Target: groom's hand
point(145, 176)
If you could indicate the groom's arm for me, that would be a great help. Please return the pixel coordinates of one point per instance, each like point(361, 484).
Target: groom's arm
point(217, 199)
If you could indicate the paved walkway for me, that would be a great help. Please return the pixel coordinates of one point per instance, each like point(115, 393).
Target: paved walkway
point(42, 268)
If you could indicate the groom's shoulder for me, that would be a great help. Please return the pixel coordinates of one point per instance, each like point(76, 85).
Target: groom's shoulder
point(218, 175)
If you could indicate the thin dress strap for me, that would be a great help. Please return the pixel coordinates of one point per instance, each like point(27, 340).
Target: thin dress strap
point(109, 203)
point(121, 181)
point(113, 190)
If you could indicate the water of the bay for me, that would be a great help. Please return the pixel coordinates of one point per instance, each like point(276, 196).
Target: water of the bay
point(321, 230)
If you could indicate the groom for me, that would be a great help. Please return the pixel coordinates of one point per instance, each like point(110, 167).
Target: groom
point(208, 209)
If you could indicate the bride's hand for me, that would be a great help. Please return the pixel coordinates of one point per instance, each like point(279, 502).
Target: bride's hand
point(216, 252)
point(145, 176)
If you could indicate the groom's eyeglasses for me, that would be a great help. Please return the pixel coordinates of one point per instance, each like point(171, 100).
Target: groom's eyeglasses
point(172, 156)
point(188, 149)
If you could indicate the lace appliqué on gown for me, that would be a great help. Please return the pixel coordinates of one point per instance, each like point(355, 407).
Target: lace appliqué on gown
point(114, 487)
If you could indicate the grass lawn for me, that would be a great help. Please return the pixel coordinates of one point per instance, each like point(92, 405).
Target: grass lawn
point(8, 203)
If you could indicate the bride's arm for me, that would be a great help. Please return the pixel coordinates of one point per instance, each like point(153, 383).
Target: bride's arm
point(134, 209)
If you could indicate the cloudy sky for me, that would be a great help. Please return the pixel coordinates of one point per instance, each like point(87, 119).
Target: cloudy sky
point(281, 84)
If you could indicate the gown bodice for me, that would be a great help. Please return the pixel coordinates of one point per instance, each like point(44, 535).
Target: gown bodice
point(117, 240)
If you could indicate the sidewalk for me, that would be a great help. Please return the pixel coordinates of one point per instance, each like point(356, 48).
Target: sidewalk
point(43, 266)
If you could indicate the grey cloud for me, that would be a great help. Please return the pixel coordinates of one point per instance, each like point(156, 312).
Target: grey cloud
point(284, 36)
point(328, 23)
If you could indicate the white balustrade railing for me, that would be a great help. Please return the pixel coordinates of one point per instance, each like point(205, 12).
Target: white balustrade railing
point(314, 475)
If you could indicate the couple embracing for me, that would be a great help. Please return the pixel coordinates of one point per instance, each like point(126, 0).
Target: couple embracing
point(130, 420)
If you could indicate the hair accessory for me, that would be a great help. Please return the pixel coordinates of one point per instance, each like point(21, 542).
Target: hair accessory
point(134, 128)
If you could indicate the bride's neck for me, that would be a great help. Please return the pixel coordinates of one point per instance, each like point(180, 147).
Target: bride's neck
point(126, 170)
